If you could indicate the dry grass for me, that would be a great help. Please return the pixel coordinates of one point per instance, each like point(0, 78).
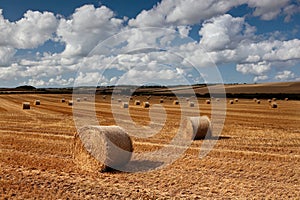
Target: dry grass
point(257, 155)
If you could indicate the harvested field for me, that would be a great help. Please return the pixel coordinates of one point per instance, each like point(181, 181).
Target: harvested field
point(257, 155)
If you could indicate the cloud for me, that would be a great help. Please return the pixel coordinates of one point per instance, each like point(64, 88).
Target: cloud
point(260, 78)
point(86, 28)
point(190, 12)
point(255, 69)
point(285, 75)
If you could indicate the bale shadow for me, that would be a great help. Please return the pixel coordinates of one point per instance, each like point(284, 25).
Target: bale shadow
point(220, 138)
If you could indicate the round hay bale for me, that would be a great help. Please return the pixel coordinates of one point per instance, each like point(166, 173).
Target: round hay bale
point(171, 98)
point(37, 102)
point(236, 100)
point(70, 103)
point(101, 147)
point(131, 98)
point(187, 99)
point(258, 101)
point(286, 99)
point(207, 101)
point(26, 105)
point(274, 99)
point(161, 101)
point(112, 98)
point(119, 100)
point(78, 99)
point(63, 100)
point(124, 105)
point(85, 98)
point(217, 99)
point(273, 105)
point(104, 97)
point(255, 99)
point(149, 97)
point(231, 102)
point(191, 104)
point(146, 104)
point(175, 102)
point(137, 103)
point(197, 127)
point(269, 100)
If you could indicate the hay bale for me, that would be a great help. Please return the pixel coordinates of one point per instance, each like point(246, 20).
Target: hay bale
point(37, 102)
point(207, 101)
point(62, 100)
point(273, 105)
point(149, 97)
point(286, 99)
point(124, 105)
point(187, 99)
point(191, 104)
point(70, 103)
point(171, 98)
point(112, 98)
point(274, 99)
point(231, 102)
point(236, 100)
point(26, 105)
point(146, 104)
point(175, 102)
point(258, 101)
point(137, 103)
point(78, 99)
point(119, 100)
point(217, 99)
point(85, 98)
point(197, 127)
point(130, 98)
point(269, 100)
point(101, 147)
point(104, 97)
point(255, 99)
point(161, 101)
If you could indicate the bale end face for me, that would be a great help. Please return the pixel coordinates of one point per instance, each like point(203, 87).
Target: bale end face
point(273, 105)
point(146, 104)
point(101, 147)
point(26, 105)
point(70, 103)
point(161, 101)
point(62, 100)
point(37, 102)
point(176, 102)
point(231, 102)
point(137, 103)
point(197, 127)
point(207, 101)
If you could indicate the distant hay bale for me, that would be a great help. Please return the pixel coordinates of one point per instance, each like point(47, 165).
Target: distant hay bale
point(130, 98)
point(78, 99)
point(286, 99)
point(273, 105)
point(274, 99)
point(37, 102)
point(137, 103)
point(149, 97)
point(63, 100)
point(217, 99)
point(255, 99)
point(104, 97)
point(112, 98)
point(97, 148)
point(124, 105)
point(26, 105)
point(187, 99)
point(231, 102)
point(170, 98)
point(70, 103)
point(207, 101)
point(146, 104)
point(236, 100)
point(269, 100)
point(258, 101)
point(175, 102)
point(85, 98)
point(119, 100)
point(191, 104)
point(197, 127)
point(161, 101)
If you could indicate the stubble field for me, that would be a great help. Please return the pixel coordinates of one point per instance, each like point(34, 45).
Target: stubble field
point(257, 155)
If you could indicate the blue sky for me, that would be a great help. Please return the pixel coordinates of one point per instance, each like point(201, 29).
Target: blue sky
point(56, 43)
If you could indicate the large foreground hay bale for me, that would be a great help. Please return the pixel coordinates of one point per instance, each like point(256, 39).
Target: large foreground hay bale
point(37, 102)
point(197, 127)
point(146, 104)
point(273, 105)
point(137, 103)
point(26, 105)
point(102, 147)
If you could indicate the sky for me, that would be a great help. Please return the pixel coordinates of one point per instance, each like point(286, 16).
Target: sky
point(168, 42)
